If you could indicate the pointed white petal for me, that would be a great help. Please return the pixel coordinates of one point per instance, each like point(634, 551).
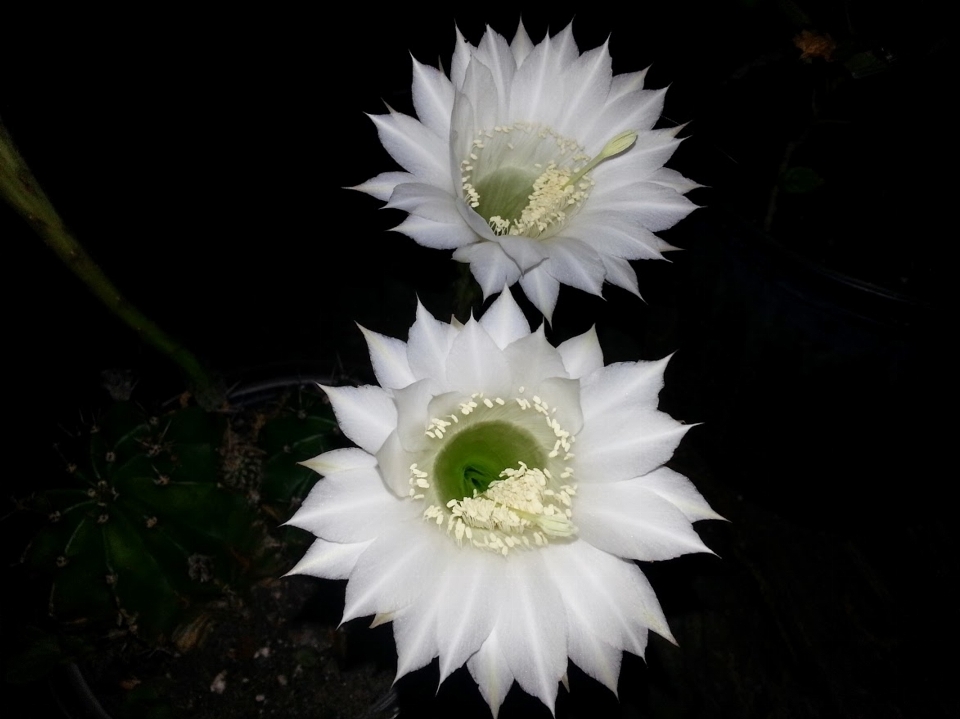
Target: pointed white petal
point(541, 289)
point(565, 396)
point(679, 491)
point(625, 445)
point(437, 235)
point(389, 358)
point(415, 632)
point(395, 571)
point(365, 414)
point(623, 385)
point(428, 345)
point(626, 520)
point(393, 461)
point(495, 54)
point(637, 111)
point(504, 320)
point(534, 79)
point(621, 274)
point(526, 252)
point(623, 239)
point(582, 354)
point(532, 359)
point(415, 148)
point(351, 506)
point(461, 58)
point(413, 415)
point(674, 180)
point(425, 201)
point(626, 82)
point(432, 98)
point(383, 185)
point(329, 560)
point(586, 84)
point(337, 460)
point(521, 46)
point(653, 206)
point(490, 266)
point(490, 671)
point(466, 616)
point(534, 627)
point(574, 263)
point(476, 364)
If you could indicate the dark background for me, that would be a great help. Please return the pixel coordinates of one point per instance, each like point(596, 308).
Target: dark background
point(201, 157)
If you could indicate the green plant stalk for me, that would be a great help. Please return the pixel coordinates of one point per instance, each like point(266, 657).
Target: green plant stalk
point(20, 188)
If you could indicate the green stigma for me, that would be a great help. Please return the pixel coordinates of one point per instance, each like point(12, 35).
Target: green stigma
point(475, 458)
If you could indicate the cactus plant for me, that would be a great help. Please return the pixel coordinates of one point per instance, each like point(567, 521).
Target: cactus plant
point(145, 528)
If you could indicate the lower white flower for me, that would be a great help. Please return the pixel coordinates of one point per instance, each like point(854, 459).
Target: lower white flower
point(500, 490)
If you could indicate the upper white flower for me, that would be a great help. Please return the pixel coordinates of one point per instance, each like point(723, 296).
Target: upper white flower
point(534, 163)
point(499, 491)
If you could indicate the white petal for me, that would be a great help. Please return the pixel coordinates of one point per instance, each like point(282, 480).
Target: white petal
point(383, 185)
point(620, 273)
point(412, 412)
point(428, 345)
point(623, 385)
point(389, 358)
point(637, 111)
point(532, 359)
point(521, 46)
point(587, 83)
point(466, 615)
point(329, 560)
point(582, 354)
point(490, 671)
point(461, 58)
point(626, 82)
point(679, 491)
point(542, 290)
point(415, 148)
point(621, 178)
point(623, 238)
point(495, 54)
point(394, 461)
point(337, 460)
point(395, 570)
point(533, 81)
point(476, 364)
point(573, 263)
point(626, 445)
point(565, 396)
point(415, 632)
point(608, 597)
point(480, 85)
point(425, 201)
point(628, 521)
point(526, 252)
point(490, 266)
point(504, 320)
point(365, 414)
point(674, 180)
point(350, 506)
point(533, 627)
point(437, 235)
point(432, 98)
point(654, 206)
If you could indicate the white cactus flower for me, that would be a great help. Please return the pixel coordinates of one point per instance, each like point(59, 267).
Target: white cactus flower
point(498, 493)
point(534, 164)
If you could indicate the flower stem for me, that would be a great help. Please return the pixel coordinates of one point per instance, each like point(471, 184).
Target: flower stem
point(20, 188)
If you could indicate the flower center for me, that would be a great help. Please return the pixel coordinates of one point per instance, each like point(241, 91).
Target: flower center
point(527, 179)
point(498, 477)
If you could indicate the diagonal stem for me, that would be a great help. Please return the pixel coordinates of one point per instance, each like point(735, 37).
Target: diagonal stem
point(20, 188)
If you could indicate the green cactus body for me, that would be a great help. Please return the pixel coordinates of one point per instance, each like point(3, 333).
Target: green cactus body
point(146, 530)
